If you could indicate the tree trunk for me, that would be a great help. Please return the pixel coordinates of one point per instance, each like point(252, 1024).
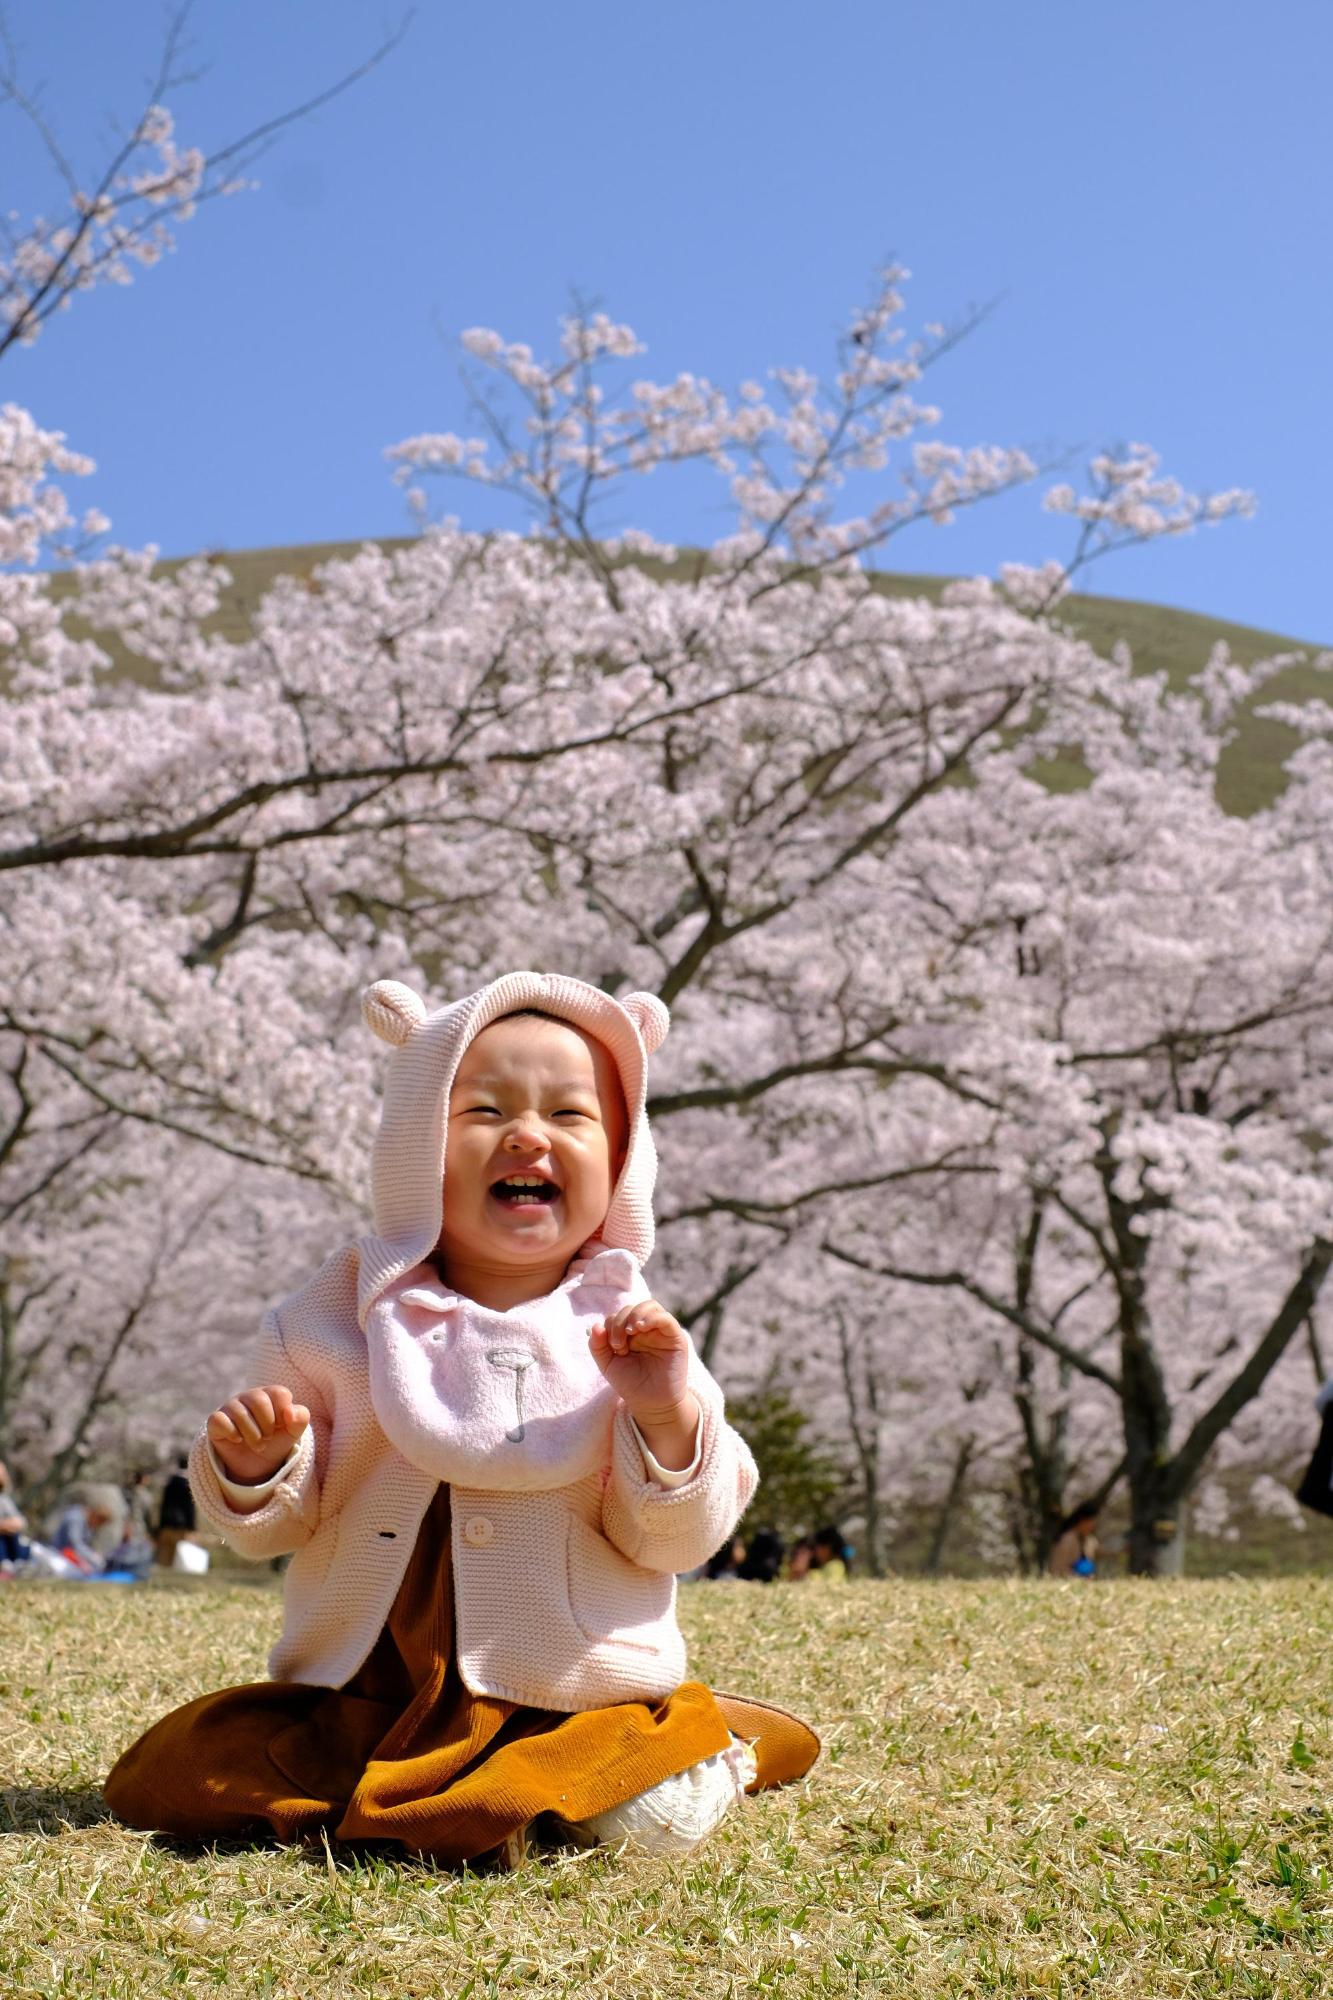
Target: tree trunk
point(874, 1521)
point(863, 1422)
point(948, 1508)
point(1157, 1527)
point(1155, 1546)
point(1045, 1470)
point(7, 1344)
point(1160, 1481)
point(1041, 1484)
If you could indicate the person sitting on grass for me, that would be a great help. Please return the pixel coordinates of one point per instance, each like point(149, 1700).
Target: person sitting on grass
point(13, 1525)
point(491, 1452)
point(830, 1557)
point(762, 1562)
point(1074, 1551)
point(175, 1514)
point(83, 1515)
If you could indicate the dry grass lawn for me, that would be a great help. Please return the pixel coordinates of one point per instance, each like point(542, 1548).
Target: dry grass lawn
point(1115, 1790)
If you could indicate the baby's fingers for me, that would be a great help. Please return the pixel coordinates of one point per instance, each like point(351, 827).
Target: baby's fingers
point(287, 1415)
point(646, 1325)
point(250, 1415)
point(233, 1424)
point(618, 1329)
point(221, 1428)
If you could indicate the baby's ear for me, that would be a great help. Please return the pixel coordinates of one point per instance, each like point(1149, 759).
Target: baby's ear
point(392, 1010)
point(650, 1017)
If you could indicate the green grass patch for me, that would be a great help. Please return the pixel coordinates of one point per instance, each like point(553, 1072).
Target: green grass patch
point(1121, 1789)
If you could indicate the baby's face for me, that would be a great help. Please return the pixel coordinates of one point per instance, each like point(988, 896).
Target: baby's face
point(540, 1101)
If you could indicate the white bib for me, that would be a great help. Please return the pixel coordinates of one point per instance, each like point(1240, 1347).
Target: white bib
point(508, 1402)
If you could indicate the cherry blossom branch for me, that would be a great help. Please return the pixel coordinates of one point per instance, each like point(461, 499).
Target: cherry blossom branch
point(766, 1212)
point(709, 1310)
point(205, 1135)
point(960, 1281)
point(1246, 1383)
point(849, 1058)
point(121, 221)
point(46, 1181)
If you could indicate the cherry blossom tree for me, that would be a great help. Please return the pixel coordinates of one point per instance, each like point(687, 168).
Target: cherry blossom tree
point(105, 1211)
point(912, 983)
point(1156, 1211)
point(126, 1295)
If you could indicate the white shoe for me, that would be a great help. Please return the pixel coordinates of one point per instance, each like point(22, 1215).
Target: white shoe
point(676, 1815)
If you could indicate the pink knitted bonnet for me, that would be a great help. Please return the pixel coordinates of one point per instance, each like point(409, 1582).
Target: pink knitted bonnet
point(407, 1163)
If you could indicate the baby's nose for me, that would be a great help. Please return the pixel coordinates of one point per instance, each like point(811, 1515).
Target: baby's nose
point(525, 1137)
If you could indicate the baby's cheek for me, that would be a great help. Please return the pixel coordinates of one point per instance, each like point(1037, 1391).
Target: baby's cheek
point(460, 1180)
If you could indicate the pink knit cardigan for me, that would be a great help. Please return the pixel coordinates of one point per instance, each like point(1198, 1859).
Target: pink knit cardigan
point(565, 1599)
point(564, 1593)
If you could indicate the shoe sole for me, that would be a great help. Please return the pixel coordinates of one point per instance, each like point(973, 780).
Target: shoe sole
point(785, 1747)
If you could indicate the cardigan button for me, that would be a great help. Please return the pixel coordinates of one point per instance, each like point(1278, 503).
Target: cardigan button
point(479, 1531)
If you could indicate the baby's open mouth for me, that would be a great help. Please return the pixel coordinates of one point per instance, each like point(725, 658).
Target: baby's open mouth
point(521, 1190)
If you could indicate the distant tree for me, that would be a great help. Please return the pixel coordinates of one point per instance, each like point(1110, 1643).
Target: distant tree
point(1145, 1196)
point(801, 1479)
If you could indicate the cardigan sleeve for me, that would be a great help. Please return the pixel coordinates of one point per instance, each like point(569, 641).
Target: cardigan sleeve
point(675, 1528)
point(290, 1513)
point(662, 1474)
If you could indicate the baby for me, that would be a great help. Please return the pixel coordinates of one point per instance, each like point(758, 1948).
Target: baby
point(491, 1451)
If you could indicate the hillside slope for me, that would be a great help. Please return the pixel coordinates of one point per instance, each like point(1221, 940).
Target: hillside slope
point(1159, 638)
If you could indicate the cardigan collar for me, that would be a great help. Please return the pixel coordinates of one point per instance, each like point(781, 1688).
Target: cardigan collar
point(595, 1265)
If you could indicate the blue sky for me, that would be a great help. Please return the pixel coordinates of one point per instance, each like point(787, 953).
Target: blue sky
point(1143, 192)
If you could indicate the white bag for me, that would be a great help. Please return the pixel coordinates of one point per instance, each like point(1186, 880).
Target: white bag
point(44, 1561)
point(191, 1557)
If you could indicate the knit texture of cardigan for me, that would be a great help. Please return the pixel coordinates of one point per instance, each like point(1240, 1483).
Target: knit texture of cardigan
point(565, 1550)
point(565, 1597)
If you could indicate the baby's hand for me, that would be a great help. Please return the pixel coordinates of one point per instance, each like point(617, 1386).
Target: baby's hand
point(254, 1432)
point(645, 1354)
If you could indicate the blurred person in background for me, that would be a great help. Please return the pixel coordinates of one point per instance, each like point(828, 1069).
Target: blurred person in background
point(1074, 1551)
point(175, 1517)
point(763, 1557)
point(13, 1524)
point(134, 1552)
point(830, 1555)
point(79, 1524)
point(139, 1506)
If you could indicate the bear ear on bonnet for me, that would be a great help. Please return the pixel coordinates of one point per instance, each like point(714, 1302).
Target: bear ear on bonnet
point(649, 1016)
point(392, 1010)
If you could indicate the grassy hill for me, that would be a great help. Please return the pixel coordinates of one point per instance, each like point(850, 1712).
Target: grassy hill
point(1159, 637)
point(1115, 1790)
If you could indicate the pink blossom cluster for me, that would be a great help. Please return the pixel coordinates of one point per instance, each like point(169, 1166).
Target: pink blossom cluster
point(121, 223)
point(786, 457)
